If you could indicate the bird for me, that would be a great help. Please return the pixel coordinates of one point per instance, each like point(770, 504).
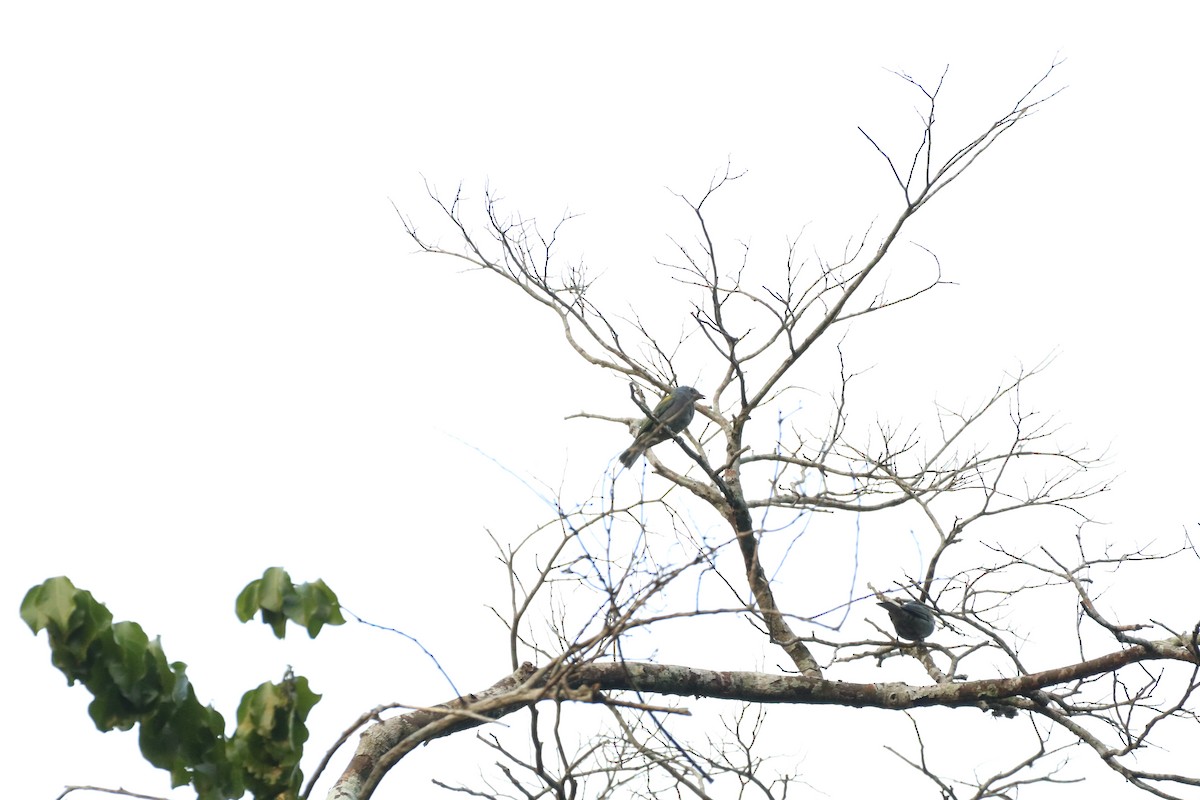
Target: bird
point(670, 417)
point(912, 620)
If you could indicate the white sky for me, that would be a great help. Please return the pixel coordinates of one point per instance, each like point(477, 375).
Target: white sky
point(218, 353)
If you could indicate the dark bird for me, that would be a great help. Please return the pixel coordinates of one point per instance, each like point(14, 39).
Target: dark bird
point(912, 620)
point(670, 417)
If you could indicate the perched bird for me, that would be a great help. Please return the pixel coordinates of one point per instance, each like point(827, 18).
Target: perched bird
point(670, 416)
point(912, 620)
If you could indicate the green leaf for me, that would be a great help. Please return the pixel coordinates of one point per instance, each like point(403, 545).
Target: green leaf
point(128, 661)
point(77, 626)
point(247, 604)
point(50, 603)
point(275, 585)
point(319, 606)
point(110, 709)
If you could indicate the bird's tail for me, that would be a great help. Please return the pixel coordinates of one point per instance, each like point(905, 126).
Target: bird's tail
point(629, 456)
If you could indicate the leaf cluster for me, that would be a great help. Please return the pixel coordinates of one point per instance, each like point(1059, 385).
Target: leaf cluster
point(277, 599)
point(132, 683)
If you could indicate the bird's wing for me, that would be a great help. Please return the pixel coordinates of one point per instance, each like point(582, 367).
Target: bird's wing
point(664, 405)
point(659, 417)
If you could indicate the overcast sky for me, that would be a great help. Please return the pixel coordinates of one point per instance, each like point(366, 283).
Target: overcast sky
point(218, 351)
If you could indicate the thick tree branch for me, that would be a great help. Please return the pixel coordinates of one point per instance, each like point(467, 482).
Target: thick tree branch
point(384, 744)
